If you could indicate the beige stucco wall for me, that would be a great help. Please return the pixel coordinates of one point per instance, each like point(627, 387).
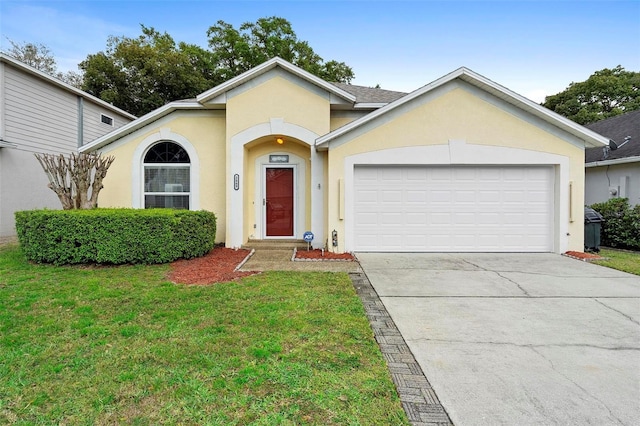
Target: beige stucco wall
point(278, 98)
point(205, 131)
point(337, 122)
point(273, 107)
point(457, 115)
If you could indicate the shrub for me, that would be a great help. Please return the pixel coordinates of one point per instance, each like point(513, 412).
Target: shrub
point(621, 226)
point(114, 236)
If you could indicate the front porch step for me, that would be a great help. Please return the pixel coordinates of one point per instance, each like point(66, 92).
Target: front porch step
point(275, 244)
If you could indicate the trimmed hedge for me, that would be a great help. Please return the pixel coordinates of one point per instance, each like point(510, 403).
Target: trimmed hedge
point(621, 226)
point(115, 236)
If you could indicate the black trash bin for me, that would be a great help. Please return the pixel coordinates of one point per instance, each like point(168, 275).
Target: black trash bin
point(592, 227)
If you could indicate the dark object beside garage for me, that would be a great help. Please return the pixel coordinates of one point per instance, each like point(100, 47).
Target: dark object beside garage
point(592, 226)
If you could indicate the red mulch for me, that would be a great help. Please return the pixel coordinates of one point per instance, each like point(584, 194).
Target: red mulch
point(216, 266)
point(317, 255)
point(583, 256)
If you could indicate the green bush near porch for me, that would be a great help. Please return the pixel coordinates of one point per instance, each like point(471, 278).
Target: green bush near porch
point(114, 236)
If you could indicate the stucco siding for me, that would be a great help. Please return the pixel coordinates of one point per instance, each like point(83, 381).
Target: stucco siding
point(38, 116)
point(277, 97)
point(274, 104)
point(459, 116)
point(205, 131)
point(340, 118)
point(623, 178)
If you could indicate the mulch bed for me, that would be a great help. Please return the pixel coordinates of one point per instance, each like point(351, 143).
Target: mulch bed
point(316, 254)
point(583, 256)
point(216, 266)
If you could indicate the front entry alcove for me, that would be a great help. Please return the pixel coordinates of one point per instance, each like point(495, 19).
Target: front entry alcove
point(276, 197)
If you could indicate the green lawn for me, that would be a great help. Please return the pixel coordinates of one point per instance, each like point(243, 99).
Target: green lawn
point(626, 261)
point(122, 345)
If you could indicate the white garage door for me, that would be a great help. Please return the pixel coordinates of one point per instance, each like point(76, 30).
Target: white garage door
point(460, 209)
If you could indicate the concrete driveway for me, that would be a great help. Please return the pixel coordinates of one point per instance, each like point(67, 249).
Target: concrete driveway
point(518, 339)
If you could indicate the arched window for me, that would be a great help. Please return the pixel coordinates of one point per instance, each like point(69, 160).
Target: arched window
point(167, 176)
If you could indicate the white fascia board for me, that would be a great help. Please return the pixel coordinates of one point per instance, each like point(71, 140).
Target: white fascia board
point(137, 124)
point(591, 138)
point(370, 105)
point(266, 66)
point(634, 159)
point(28, 69)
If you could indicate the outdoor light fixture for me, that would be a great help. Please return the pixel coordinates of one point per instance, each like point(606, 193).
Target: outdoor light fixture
point(280, 141)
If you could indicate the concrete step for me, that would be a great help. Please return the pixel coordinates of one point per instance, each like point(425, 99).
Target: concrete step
point(288, 244)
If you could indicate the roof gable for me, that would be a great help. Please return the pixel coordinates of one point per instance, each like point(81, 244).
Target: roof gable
point(217, 98)
point(591, 138)
point(217, 95)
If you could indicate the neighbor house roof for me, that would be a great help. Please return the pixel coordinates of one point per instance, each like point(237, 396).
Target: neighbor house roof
point(591, 138)
point(59, 83)
point(618, 129)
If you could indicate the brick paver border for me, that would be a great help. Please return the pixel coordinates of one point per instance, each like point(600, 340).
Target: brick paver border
point(416, 394)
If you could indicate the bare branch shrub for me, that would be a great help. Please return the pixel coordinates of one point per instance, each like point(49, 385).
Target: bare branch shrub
point(76, 179)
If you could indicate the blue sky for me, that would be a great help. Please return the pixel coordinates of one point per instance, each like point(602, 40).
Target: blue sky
point(534, 48)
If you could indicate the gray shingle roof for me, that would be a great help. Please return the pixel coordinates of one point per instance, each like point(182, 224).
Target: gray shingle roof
point(617, 128)
point(367, 95)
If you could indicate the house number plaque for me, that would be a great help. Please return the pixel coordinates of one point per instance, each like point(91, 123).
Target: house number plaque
point(236, 181)
point(279, 158)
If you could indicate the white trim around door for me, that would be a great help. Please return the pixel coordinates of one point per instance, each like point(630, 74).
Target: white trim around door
point(298, 165)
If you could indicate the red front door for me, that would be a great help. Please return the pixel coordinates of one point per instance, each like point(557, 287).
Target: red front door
point(279, 201)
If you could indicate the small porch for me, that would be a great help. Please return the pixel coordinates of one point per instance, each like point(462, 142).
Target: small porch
point(277, 186)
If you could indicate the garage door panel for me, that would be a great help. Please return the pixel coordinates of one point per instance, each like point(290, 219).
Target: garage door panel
point(365, 219)
point(417, 175)
point(440, 218)
point(440, 196)
point(464, 218)
point(453, 208)
point(367, 196)
point(391, 219)
point(392, 174)
point(416, 196)
point(416, 218)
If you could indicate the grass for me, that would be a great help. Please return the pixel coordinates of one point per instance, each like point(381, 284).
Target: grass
point(122, 345)
point(627, 261)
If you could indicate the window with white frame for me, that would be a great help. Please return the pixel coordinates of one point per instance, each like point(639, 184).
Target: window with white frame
point(167, 171)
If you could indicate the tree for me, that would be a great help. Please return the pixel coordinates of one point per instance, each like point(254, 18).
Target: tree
point(604, 94)
point(36, 55)
point(142, 74)
point(40, 57)
point(238, 50)
point(76, 179)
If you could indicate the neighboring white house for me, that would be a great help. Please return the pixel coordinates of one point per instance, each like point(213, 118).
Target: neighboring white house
point(615, 173)
point(39, 113)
